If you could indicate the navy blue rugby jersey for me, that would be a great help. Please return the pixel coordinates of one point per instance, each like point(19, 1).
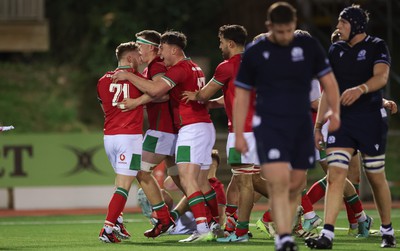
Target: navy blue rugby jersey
point(353, 66)
point(282, 75)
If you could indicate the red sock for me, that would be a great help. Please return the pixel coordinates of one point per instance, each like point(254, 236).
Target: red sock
point(242, 228)
point(306, 203)
point(267, 216)
point(197, 206)
point(355, 204)
point(162, 213)
point(230, 209)
point(317, 191)
point(212, 204)
point(350, 214)
point(116, 205)
point(357, 187)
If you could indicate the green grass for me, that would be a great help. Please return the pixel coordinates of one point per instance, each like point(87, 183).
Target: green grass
point(81, 233)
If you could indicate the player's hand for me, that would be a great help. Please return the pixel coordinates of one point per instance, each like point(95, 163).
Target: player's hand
point(350, 95)
point(318, 139)
point(241, 143)
point(128, 104)
point(334, 121)
point(390, 105)
point(189, 96)
point(120, 75)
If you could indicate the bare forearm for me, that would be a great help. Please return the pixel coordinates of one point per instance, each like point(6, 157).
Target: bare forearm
point(240, 109)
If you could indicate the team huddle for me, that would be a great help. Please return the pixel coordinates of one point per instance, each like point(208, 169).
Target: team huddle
point(270, 89)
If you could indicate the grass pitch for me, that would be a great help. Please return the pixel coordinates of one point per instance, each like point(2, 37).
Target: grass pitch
point(81, 233)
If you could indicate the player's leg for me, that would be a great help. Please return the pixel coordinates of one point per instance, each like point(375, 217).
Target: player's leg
point(117, 146)
point(375, 170)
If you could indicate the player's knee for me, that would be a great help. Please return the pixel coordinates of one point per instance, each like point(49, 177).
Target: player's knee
point(172, 170)
point(147, 167)
point(245, 170)
point(374, 164)
point(339, 158)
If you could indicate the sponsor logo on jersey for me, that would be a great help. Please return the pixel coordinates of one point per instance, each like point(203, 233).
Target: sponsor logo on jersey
point(122, 157)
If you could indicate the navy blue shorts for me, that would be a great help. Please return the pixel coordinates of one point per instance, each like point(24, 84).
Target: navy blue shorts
point(364, 132)
point(281, 139)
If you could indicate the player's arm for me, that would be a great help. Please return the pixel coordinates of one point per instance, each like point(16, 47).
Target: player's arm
point(154, 88)
point(204, 94)
point(332, 102)
point(128, 104)
point(390, 105)
point(164, 97)
point(216, 103)
point(375, 83)
point(240, 109)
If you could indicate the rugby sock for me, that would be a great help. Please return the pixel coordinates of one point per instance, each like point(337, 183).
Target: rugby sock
point(328, 231)
point(230, 209)
point(116, 205)
point(357, 187)
point(282, 239)
point(242, 228)
point(212, 203)
point(208, 214)
point(174, 214)
point(162, 212)
point(306, 203)
point(197, 206)
point(350, 214)
point(355, 204)
point(267, 216)
point(317, 191)
point(387, 229)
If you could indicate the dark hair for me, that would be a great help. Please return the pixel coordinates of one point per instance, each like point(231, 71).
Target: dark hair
point(234, 32)
point(299, 32)
point(151, 35)
point(124, 48)
point(174, 38)
point(281, 13)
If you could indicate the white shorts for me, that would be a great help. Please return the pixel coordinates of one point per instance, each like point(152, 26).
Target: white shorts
point(234, 157)
point(322, 156)
point(195, 143)
point(159, 142)
point(124, 151)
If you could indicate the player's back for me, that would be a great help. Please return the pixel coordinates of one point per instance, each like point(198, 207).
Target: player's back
point(109, 94)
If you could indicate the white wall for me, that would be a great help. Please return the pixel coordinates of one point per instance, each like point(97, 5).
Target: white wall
point(77, 197)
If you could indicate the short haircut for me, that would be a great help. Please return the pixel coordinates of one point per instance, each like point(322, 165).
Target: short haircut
point(123, 48)
point(281, 13)
point(299, 32)
point(151, 35)
point(174, 38)
point(234, 32)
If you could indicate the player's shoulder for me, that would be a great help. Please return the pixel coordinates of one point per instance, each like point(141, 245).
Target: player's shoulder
point(106, 77)
point(374, 41)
